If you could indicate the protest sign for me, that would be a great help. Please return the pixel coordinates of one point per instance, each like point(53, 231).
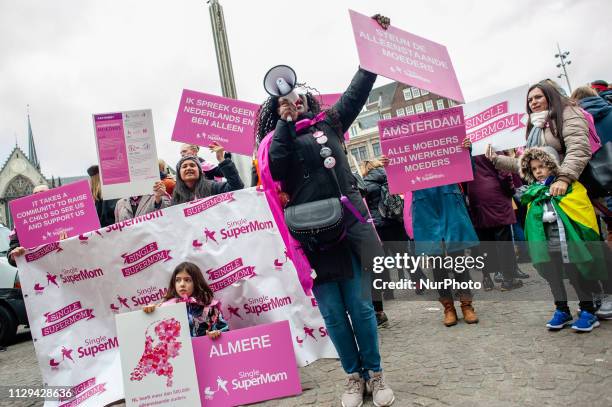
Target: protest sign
point(157, 357)
point(41, 218)
point(246, 366)
point(126, 153)
point(405, 57)
point(498, 120)
point(203, 119)
point(129, 264)
point(327, 101)
point(425, 150)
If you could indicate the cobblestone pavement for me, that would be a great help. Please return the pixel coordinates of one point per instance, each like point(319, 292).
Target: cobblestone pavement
point(508, 359)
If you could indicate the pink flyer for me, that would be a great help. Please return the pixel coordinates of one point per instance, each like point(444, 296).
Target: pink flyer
point(39, 219)
point(425, 150)
point(126, 152)
point(203, 119)
point(111, 148)
point(405, 57)
point(247, 365)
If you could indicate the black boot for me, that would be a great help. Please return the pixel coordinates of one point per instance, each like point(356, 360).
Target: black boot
point(520, 274)
point(511, 284)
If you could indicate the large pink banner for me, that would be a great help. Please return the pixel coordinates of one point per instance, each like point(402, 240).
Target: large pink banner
point(203, 119)
point(40, 218)
point(425, 150)
point(405, 57)
point(247, 365)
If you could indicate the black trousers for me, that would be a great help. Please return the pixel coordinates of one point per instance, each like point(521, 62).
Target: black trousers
point(584, 288)
point(502, 258)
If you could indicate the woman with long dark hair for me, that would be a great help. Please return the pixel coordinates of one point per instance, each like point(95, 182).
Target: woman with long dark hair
point(303, 149)
point(191, 183)
point(556, 122)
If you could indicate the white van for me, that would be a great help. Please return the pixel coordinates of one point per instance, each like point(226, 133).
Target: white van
point(12, 307)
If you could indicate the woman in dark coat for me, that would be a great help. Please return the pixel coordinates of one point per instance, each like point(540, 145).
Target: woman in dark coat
point(390, 231)
point(490, 205)
point(340, 286)
point(192, 184)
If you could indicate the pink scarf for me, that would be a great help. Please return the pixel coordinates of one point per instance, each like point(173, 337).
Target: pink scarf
point(191, 300)
point(271, 189)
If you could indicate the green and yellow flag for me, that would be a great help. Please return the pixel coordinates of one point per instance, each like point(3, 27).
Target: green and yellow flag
point(576, 212)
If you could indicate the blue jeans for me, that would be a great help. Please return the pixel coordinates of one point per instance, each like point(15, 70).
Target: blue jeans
point(356, 343)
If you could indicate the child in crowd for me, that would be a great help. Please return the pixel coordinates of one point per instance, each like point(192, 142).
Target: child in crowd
point(203, 311)
point(556, 229)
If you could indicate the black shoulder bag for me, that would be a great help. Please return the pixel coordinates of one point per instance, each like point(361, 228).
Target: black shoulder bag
point(318, 225)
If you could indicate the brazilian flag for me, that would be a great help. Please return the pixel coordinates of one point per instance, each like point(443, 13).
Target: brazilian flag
point(577, 215)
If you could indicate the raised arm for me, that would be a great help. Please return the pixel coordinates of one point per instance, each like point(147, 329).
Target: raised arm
point(352, 100)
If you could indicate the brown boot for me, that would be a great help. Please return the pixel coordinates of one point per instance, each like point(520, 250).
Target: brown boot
point(469, 315)
point(450, 313)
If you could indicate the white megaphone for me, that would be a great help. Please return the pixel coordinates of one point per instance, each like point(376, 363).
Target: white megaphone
point(280, 81)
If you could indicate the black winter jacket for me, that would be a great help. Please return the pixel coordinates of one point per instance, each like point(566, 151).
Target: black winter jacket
point(374, 181)
point(296, 163)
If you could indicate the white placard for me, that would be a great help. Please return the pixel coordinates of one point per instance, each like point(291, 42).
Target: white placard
point(157, 358)
point(499, 120)
point(127, 153)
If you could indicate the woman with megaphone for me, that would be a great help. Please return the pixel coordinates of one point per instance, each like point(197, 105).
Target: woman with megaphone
point(304, 170)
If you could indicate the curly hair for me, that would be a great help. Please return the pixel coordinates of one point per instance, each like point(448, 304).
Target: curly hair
point(267, 115)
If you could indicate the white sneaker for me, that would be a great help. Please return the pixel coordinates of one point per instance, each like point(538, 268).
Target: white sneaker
point(605, 310)
point(353, 394)
point(382, 395)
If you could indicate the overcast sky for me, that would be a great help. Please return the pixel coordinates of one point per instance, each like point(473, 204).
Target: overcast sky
point(71, 58)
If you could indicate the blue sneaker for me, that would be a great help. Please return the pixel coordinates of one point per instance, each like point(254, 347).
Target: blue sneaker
point(559, 320)
point(585, 322)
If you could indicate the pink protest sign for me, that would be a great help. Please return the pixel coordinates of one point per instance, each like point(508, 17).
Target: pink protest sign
point(425, 150)
point(327, 101)
point(40, 218)
point(405, 57)
point(247, 365)
point(203, 119)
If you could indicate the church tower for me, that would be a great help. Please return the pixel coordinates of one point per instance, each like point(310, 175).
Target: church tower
point(32, 156)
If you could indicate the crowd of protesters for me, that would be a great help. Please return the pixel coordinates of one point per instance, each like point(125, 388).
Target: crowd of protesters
point(533, 193)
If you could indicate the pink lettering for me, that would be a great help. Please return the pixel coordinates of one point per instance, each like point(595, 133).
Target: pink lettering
point(486, 115)
point(68, 309)
point(79, 388)
point(65, 323)
point(202, 205)
point(513, 120)
point(224, 270)
point(140, 253)
point(146, 263)
point(42, 252)
point(88, 394)
point(246, 272)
